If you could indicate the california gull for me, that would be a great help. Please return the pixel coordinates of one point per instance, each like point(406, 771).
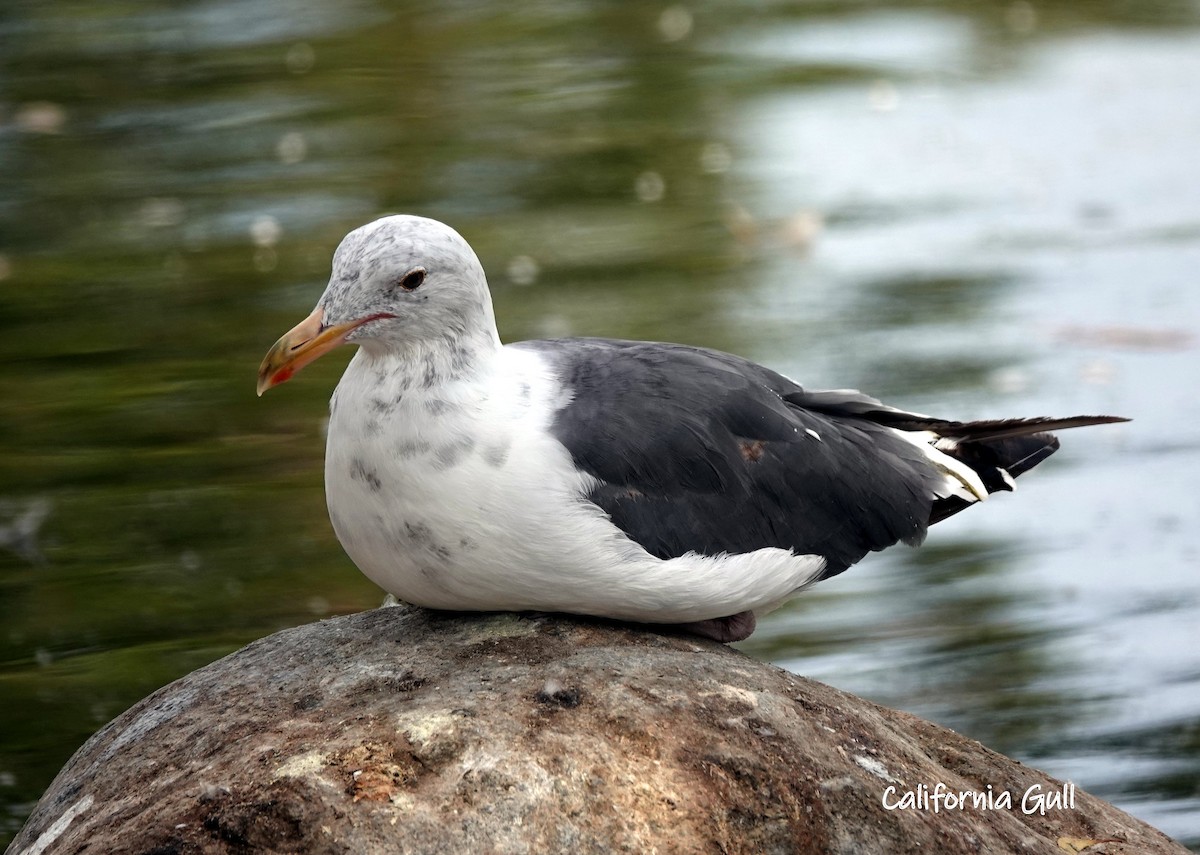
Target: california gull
point(647, 482)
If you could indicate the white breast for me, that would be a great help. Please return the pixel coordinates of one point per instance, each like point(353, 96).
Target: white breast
point(458, 497)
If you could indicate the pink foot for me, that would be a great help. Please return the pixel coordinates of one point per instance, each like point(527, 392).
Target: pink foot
point(725, 629)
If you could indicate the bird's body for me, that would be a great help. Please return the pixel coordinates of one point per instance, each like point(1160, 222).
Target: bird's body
point(457, 495)
point(648, 482)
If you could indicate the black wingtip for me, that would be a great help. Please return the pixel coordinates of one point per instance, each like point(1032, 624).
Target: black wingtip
point(986, 431)
point(1046, 445)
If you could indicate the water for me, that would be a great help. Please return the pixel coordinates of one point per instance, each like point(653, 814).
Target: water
point(970, 209)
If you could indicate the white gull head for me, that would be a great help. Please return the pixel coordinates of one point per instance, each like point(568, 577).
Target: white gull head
point(420, 276)
point(403, 285)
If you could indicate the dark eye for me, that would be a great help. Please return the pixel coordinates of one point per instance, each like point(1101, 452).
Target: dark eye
point(412, 279)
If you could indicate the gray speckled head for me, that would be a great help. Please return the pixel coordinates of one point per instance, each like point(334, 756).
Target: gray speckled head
point(451, 305)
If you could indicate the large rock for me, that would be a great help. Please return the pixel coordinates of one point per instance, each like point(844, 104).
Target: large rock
point(402, 730)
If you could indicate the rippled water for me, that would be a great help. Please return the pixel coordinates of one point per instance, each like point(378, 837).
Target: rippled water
point(973, 210)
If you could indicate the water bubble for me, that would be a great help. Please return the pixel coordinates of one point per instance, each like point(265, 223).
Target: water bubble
point(650, 187)
point(265, 230)
point(40, 117)
point(292, 147)
point(675, 23)
point(523, 270)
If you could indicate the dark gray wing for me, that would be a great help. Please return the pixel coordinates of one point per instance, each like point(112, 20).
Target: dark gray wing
point(701, 451)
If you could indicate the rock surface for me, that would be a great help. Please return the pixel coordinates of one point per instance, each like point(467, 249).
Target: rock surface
point(402, 730)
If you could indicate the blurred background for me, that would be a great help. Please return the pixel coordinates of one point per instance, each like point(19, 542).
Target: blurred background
point(973, 209)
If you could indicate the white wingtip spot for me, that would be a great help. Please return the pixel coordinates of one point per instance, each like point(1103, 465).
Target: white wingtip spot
point(963, 481)
point(813, 434)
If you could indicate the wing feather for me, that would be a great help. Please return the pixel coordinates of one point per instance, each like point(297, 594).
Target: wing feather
point(701, 451)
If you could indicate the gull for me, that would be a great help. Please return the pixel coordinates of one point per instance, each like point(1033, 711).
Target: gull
point(640, 481)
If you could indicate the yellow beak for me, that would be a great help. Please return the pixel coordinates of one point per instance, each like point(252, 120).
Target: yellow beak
point(302, 344)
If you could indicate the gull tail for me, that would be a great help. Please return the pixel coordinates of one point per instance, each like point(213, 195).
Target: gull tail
point(996, 450)
point(983, 457)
